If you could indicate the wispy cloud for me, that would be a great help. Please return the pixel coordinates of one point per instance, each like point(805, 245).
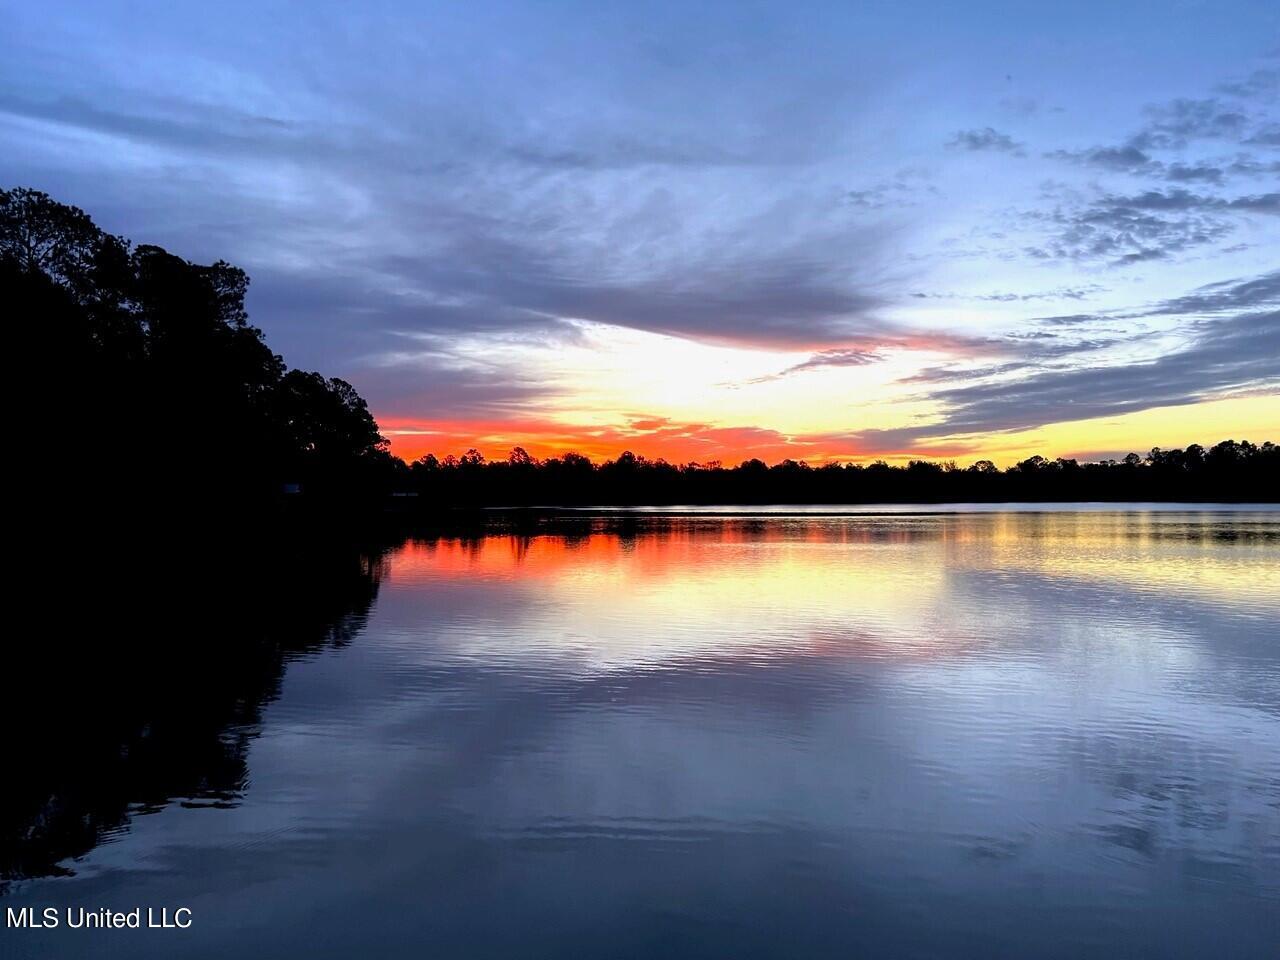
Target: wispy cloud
point(987, 138)
point(1238, 351)
point(1152, 225)
point(1242, 351)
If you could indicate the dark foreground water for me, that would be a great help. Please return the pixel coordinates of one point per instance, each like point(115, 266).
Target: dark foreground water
point(980, 735)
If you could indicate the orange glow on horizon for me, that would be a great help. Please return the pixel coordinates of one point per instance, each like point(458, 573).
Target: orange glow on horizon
point(1255, 418)
point(652, 437)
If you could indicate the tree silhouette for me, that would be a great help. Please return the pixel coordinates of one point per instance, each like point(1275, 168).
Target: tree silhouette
point(1229, 472)
point(174, 389)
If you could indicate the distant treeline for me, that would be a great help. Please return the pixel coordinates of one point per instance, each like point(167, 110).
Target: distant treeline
point(1229, 471)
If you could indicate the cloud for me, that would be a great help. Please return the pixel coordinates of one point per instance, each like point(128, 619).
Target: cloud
point(987, 138)
point(460, 187)
point(1183, 123)
point(1069, 319)
point(1178, 122)
point(1034, 351)
point(853, 357)
point(1261, 84)
point(951, 374)
point(793, 305)
point(1193, 173)
point(842, 357)
point(759, 284)
point(1239, 352)
point(873, 349)
point(1268, 136)
point(407, 385)
point(1130, 160)
point(1127, 158)
point(1245, 164)
point(1152, 225)
point(171, 121)
point(1226, 295)
point(1079, 292)
point(907, 188)
point(1185, 200)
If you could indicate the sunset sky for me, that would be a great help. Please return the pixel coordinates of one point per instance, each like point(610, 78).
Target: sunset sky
point(704, 231)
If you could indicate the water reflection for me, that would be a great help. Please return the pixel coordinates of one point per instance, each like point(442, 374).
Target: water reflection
point(985, 735)
point(151, 688)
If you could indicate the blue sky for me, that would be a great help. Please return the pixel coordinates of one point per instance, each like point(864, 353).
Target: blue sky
point(805, 229)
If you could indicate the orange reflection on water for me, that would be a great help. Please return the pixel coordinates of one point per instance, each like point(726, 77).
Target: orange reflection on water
point(687, 550)
point(658, 590)
point(619, 590)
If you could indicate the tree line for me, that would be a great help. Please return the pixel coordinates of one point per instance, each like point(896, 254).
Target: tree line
point(1228, 471)
point(145, 368)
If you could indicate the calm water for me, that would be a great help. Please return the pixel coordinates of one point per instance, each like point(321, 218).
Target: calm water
point(973, 735)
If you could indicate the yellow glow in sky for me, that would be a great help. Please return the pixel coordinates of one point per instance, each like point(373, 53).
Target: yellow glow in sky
point(609, 389)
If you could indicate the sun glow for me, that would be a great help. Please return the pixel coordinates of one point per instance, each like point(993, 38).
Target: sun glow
point(610, 389)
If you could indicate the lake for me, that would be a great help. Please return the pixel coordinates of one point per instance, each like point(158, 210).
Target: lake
point(990, 733)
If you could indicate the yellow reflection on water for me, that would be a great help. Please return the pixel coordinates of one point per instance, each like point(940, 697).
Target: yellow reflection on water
point(1232, 560)
point(905, 587)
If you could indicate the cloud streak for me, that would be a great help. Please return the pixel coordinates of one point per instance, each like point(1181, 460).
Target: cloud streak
point(1238, 352)
point(1243, 351)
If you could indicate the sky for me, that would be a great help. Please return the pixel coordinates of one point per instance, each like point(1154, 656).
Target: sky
point(823, 231)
